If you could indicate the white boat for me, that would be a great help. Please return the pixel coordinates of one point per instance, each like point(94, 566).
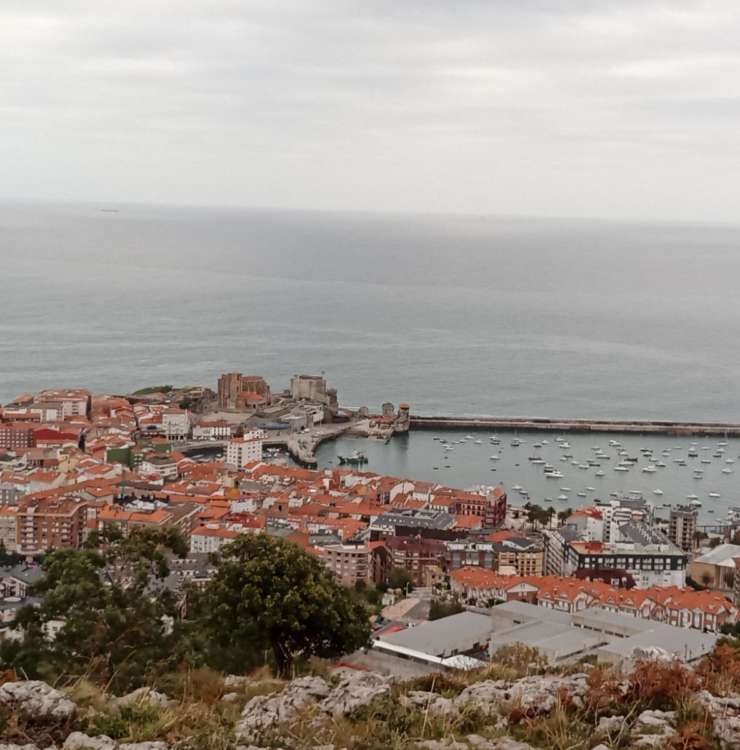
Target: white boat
point(581, 494)
point(692, 497)
point(583, 466)
point(562, 497)
point(660, 465)
point(729, 460)
point(565, 489)
point(657, 492)
point(554, 474)
point(516, 487)
point(599, 473)
point(727, 471)
point(714, 494)
point(591, 489)
point(695, 503)
point(494, 458)
point(621, 468)
point(479, 442)
point(649, 469)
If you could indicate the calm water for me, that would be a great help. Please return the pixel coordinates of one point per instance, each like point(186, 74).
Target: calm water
point(469, 464)
point(455, 315)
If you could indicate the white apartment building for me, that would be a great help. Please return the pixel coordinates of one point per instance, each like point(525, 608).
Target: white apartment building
point(242, 451)
point(209, 539)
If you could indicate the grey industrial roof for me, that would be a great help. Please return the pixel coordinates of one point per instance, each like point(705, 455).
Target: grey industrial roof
point(685, 643)
point(598, 617)
point(531, 612)
point(720, 554)
point(449, 635)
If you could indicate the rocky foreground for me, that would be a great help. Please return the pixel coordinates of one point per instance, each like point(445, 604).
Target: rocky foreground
point(661, 707)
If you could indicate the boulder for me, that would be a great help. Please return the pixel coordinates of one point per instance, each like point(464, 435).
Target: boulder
point(609, 725)
point(143, 746)
point(266, 711)
point(82, 741)
point(652, 729)
point(229, 697)
point(36, 702)
point(17, 747)
point(725, 713)
point(144, 696)
point(534, 695)
point(353, 690)
point(235, 681)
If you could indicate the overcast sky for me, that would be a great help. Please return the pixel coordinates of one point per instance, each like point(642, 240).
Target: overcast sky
point(628, 108)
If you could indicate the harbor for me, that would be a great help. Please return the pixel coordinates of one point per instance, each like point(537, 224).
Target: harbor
point(574, 470)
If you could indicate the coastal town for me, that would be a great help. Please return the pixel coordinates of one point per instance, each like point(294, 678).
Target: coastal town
point(610, 580)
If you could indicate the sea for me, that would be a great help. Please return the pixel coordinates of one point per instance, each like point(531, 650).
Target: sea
point(457, 315)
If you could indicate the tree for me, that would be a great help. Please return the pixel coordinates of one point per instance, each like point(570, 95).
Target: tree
point(268, 595)
point(113, 613)
point(440, 608)
point(563, 515)
point(400, 578)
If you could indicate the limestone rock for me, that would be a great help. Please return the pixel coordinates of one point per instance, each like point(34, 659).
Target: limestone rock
point(609, 725)
point(354, 690)
point(82, 741)
point(651, 653)
point(725, 713)
point(144, 696)
point(535, 695)
point(235, 681)
point(37, 702)
point(143, 746)
point(229, 697)
point(265, 711)
point(652, 729)
point(17, 747)
point(500, 743)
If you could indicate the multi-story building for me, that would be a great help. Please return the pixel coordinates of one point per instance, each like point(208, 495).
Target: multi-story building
point(48, 524)
point(463, 554)
point(239, 391)
point(423, 558)
point(209, 539)
point(176, 423)
point(162, 464)
point(682, 527)
point(69, 403)
point(648, 564)
point(356, 563)
point(9, 527)
point(17, 435)
point(616, 513)
point(523, 555)
point(218, 429)
point(244, 450)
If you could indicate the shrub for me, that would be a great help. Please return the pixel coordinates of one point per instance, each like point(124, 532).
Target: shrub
point(661, 685)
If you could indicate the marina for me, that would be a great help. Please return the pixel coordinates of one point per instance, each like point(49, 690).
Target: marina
point(568, 471)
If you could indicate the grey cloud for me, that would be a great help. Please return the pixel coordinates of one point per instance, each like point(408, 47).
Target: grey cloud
point(432, 105)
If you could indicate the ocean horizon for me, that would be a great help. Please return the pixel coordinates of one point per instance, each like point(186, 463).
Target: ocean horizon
point(458, 315)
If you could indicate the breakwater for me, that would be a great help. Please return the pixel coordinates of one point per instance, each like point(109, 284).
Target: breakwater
point(643, 427)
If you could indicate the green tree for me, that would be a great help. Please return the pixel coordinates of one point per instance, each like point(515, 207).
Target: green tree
point(400, 578)
point(440, 608)
point(268, 595)
point(113, 617)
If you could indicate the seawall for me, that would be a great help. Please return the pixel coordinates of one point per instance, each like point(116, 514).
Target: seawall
point(659, 427)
